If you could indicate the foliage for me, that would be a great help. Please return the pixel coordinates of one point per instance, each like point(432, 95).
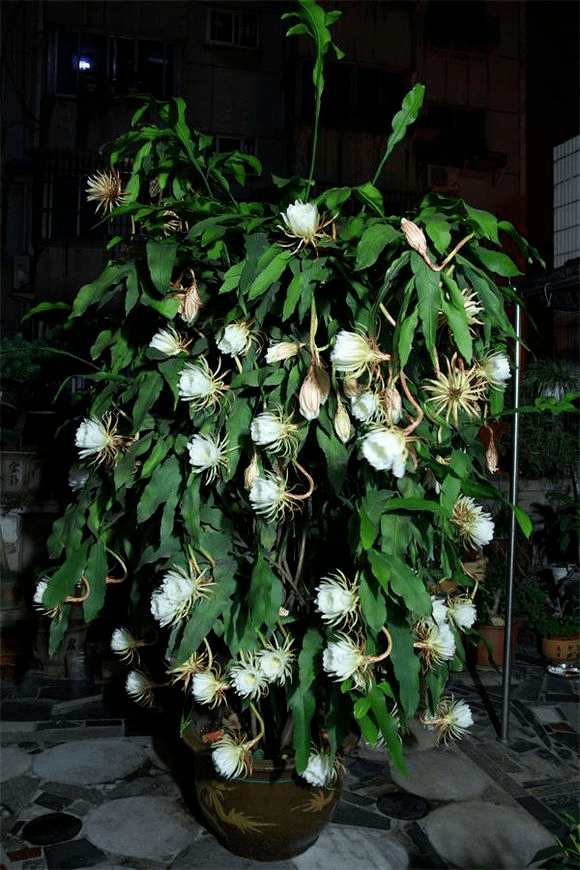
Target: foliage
point(383, 528)
point(565, 853)
point(548, 606)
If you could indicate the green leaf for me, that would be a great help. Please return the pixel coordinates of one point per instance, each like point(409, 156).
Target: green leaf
point(43, 307)
point(270, 268)
point(373, 241)
point(90, 294)
point(165, 481)
point(149, 385)
point(396, 577)
point(483, 221)
point(408, 113)
point(96, 573)
point(429, 297)
point(238, 427)
point(498, 262)
point(437, 228)
point(160, 259)
point(407, 666)
point(373, 607)
point(389, 728)
point(265, 595)
point(454, 310)
point(405, 334)
point(372, 197)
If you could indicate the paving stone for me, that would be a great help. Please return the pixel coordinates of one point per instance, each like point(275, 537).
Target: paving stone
point(142, 827)
point(442, 775)
point(209, 854)
point(18, 791)
point(401, 805)
point(51, 801)
point(73, 855)
point(478, 834)
point(349, 814)
point(51, 828)
point(26, 710)
point(14, 763)
point(90, 761)
point(337, 845)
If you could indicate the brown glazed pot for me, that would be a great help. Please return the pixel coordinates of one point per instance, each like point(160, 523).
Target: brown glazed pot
point(561, 649)
point(495, 636)
point(270, 815)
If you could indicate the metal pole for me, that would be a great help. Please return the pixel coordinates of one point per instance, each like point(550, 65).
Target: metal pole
point(505, 700)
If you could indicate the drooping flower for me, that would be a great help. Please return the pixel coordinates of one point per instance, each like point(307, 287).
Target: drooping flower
point(106, 189)
point(201, 387)
point(169, 342)
point(355, 354)
point(451, 720)
point(275, 431)
point(462, 612)
point(337, 599)
point(475, 525)
point(187, 291)
point(314, 391)
point(494, 369)
point(207, 453)
point(343, 658)
point(319, 771)
point(247, 679)
point(179, 591)
point(236, 338)
point(208, 688)
point(282, 350)
point(99, 439)
point(472, 306)
point(231, 757)
point(269, 496)
point(125, 645)
point(439, 613)
point(365, 406)
point(140, 687)
point(460, 390)
point(275, 661)
point(386, 450)
point(435, 641)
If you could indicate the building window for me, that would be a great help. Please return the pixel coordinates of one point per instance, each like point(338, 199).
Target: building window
point(238, 29)
point(90, 61)
point(227, 143)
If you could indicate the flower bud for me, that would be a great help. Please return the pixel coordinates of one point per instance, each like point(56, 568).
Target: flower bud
point(314, 392)
point(252, 472)
point(415, 237)
point(342, 422)
point(282, 350)
point(351, 388)
point(392, 403)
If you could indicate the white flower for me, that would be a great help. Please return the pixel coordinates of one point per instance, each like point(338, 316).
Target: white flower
point(168, 341)
point(337, 599)
point(439, 614)
point(139, 687)
point(475, 525)
point(230, 757)
point(275, 431)
point(386, 450)
point(365, 406)
point(302, 220)
point(207, 453)
point(354, 354)
point(436, 641)
point(200, 386)
point(268, 496)
point(96, 438)
point(451, 720)
point(495, 369)
point(342, 658)
point(319, 771)
point(207, 688)
point(122, 642)
point(179, 591)
point(77, 477)
point(235, 338)
point(247, 679)
point(462, 612)
point(41, 588)
point(275, 662)
point(106, 189)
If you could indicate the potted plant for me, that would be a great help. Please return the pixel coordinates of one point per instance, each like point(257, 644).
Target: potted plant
point(553, 615)
point(283, 468)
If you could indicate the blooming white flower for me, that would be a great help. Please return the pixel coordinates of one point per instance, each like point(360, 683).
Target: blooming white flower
point(124, 644)
point(139, 687)
point(235, 339)
point(386, 450)
point(439, 614)
point(275, 431)
point(436, 641)
point(319, 771)
point(494, 369)
point(275, 661)
point(77, 477)
point(207, 688)
point(462, 612)
point(337, 599)
point(342, 658)
point(302, 220)
point(106, 189)
point(199, 386)
point(168, 342)
point(231, 757)
point(476, 526)
point(365, 406)
point(247, 679)
point(451, 720)
point(268, 496)
point(97, 438)
point(179, 591)
point(354, 353)
point(282, 350)
point(207, 453)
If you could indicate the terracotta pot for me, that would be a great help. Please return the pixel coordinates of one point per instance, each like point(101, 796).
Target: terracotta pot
point(268, 816)
point(561, 649)
point(495, 636)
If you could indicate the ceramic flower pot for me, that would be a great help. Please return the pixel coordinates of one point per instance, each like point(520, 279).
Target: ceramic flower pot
point(270, 815)
point(495, 637)
point(561, 649)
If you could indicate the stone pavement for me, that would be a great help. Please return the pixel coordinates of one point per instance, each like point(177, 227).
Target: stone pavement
point(90, 780)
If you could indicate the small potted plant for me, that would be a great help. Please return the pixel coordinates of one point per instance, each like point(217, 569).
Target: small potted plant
point(284, 479)
point(553, 616)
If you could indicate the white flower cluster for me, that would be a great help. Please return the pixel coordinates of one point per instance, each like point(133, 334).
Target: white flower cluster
point(179, 591)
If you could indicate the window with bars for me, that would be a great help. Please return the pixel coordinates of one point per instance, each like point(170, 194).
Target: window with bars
point(82, 61)
point(237, 29)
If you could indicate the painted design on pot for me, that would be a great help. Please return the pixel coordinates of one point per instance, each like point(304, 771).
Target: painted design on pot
point(318, 800)
point(213, 795)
